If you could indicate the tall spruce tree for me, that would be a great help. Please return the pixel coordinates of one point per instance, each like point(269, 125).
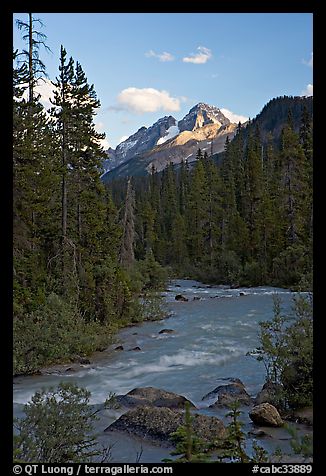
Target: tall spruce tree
point(35, 39)
point(127, 255)
point(63, 115)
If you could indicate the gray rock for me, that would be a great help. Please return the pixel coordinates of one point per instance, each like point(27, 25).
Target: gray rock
point(229, 393)
point(267, 393)
point(158, 424)
point(201, 115)
point(151, 396)
point(266, 414)
point(142, 141)
point(179, 297)
point(166, 331)
point(120, 347)
point(137, 348)
point(196, 298)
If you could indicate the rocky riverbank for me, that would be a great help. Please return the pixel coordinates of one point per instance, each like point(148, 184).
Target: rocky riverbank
point(198, 354)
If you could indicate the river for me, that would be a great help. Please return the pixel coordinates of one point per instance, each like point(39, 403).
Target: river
point(211, 337)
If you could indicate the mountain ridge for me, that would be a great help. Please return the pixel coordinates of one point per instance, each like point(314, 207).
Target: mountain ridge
point(169, 140)
point(184, 146)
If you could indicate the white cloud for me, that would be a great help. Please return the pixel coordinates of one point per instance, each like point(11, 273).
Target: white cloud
point(164, 57)
point(199, 58)
point(99, 127)
point(105, 144)
point(234, 117)
point(309, 91)
point(147, 100)
point(45, 88)
point(310, 62)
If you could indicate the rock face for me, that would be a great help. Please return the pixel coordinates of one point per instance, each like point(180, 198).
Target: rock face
point(158, 424)
point(201, 115)
point(166, 141)
point(179, 297)
point(229, 393)
point(267, 393)
point(142, 141)
point(266, 414)
point(186, 144)
point(151, 396)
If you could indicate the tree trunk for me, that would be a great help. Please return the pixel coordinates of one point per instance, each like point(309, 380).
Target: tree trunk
point(30, 57)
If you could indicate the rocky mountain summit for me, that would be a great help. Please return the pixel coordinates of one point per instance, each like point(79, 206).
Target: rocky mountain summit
point(201, 115)
point(142, 141)
point(167, 140)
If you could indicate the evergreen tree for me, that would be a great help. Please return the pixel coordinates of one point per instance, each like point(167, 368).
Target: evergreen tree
point(294, 183)
point(197, 213)
point(35, 66)
point(214, 211)
point(169, 207)
point(127, 255)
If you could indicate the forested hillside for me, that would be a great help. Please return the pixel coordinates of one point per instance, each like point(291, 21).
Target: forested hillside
point(86, 256)
point(245, 219)
point(74, 282)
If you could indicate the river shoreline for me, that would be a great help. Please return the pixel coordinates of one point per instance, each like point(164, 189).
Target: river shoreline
point(210, 335)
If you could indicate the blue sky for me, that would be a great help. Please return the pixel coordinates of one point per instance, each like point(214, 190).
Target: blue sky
point(148, 65)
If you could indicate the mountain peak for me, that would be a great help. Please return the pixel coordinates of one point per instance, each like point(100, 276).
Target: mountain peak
point(204, 106)
point(201, 115)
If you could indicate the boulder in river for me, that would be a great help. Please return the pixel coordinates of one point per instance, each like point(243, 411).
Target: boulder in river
point(151, 396)
point(70, 369)
point(158, 424)
point(166, 331)
point(120, 347)
point(266, 414)
point(196, 298)
point(229, 393)
point(180, 297)
point(137, 348)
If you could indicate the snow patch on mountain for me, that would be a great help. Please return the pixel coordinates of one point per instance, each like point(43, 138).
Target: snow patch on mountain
point(170, 133)
point(125, 145)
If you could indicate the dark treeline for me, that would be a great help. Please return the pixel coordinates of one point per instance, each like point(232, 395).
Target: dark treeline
point(86, 257)
point(75, 277)
point(243, 220)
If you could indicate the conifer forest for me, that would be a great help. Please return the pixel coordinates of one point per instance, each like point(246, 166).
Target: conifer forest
point(94, 256)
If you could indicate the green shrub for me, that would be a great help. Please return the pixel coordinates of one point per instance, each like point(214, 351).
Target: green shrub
point(54, 333)
point(287, 352)
point(291, 265)
point(58, 428)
